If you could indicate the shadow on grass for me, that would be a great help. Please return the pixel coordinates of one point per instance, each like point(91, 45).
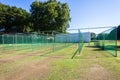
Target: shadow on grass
point(91, 46)
point(100, 53)
point(95, 48)
point(118, 48)
point(99, 49)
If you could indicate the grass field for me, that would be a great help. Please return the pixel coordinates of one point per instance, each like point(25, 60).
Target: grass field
point(41, 64)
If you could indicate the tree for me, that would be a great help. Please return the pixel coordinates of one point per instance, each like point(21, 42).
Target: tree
point(13, 18)
point(50, 15)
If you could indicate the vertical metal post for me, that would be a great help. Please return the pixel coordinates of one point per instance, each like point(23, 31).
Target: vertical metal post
point(47, 40)
point(53, 35)
point(79, 42)
point(16, 41)
point(22, 41)
point(3, 40)
point(116, 42)
point(13, 41)
point(32, 41)
point(26, 41)
point(89, 38)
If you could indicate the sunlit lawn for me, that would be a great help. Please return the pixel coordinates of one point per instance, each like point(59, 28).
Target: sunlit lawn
point(63, 67)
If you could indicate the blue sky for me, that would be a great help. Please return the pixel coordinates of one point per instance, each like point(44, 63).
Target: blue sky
point(84, 13)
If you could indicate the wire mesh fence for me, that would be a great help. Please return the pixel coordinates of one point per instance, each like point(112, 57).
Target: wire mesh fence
point(33, 42)
point(77, 38)
point(53, 41)
point(107, 40)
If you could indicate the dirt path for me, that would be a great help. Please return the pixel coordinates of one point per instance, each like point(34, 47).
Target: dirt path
point(97, 72)
point(18, 57)
point(39, 70)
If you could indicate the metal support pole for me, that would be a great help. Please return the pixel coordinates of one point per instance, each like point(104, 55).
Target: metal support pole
point(116, 43)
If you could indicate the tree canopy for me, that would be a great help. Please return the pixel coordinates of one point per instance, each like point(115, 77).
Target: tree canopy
point(50, 15)
point(43, 16)
point(13, 18)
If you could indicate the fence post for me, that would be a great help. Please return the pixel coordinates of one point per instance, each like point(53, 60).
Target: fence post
point(3, 40)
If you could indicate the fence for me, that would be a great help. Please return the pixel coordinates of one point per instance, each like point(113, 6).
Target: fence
point(77, 37)
point(33, 42)
point(107, 40)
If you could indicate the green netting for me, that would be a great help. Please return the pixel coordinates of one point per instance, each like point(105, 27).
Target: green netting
point(62, 40)
point(80, 44)
point(33, 42)
point(43, 43)
point(107, 40)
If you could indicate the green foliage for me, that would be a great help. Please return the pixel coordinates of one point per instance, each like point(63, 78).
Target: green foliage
point(44, 16)
point(13, 18)
point(50, 15)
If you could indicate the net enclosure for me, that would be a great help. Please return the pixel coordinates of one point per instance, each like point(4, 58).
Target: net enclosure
point(77, 38)
point(107, 40)
point(47, 41)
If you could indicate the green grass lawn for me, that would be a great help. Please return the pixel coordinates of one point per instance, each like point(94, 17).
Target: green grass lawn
point(8, 50)
point(91, 64)
point(118, 48)
point(79, 67)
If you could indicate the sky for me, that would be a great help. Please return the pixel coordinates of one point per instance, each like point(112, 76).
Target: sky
point(84, 13)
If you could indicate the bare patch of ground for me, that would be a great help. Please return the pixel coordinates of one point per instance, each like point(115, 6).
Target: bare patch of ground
point(97, 72)
point(38, 70)
point(18, 57)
